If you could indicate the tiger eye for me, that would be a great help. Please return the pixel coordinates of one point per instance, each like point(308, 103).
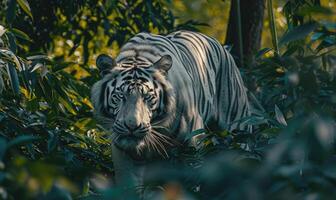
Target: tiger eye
point(120, 95)
point(146, 96)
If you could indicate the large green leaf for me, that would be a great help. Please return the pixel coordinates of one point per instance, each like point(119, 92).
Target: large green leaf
point(22, 139)
point(20, 34)
point(298, 33)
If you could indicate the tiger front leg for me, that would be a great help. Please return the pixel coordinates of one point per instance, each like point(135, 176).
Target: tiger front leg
point(128, 174)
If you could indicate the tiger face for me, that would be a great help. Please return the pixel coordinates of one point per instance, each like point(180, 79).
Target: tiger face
point(132, 100)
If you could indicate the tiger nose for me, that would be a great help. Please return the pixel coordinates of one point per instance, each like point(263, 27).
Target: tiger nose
point(132, 124)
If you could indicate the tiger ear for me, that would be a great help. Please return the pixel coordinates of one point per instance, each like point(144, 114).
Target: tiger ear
point(164, 63)
point(105, 64)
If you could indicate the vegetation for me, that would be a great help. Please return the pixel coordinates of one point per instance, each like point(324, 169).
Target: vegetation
point(52, 148)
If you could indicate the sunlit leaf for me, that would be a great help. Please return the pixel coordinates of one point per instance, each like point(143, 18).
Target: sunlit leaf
point(262, 52)
point(38, 57)
point(2, 30)
point(25, 7)
point(67, 105)
point(37, 66)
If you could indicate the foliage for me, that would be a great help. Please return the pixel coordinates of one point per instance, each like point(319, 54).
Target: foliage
point(50, 143)
point(47, 132)
point(81, 21)
point(51, 147)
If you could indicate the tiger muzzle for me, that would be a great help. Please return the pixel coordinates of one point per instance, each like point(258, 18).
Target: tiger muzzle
point(135, 116)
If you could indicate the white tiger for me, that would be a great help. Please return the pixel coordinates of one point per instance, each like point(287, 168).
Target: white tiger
point(159, 89)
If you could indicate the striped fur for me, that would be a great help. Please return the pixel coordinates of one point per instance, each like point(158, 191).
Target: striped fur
point(147, 107)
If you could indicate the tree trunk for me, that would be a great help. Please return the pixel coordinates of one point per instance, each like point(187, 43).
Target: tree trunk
point(252, 14)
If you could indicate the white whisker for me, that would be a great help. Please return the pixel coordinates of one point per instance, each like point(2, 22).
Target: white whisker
point(166, 139)
point(157, 141)
point(149, 143)
point(154, 143)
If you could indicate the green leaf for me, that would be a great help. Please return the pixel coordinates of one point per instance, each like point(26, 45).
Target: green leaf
point(329, 25)
point(22, 139)
point(279, 116)
point(38, 57)
point(37, 66)
point(194, 133)
point(25, 7)
point(2, 85)
point(11, 57)
point(298, 33)
point(86, 187)
point(58, 66)
point(52, 141)
point(20, 34)
point(272, 26)
point(10, 12)
point(12, 41)
point(33, 104)
point(313, 10)
point(67, 105)
point(262, 52)
point(13, 76)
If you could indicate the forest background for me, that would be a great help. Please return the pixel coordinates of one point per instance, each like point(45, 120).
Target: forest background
point(51, 147)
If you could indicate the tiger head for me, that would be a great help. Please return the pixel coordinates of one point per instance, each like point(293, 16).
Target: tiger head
point(136, 103)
